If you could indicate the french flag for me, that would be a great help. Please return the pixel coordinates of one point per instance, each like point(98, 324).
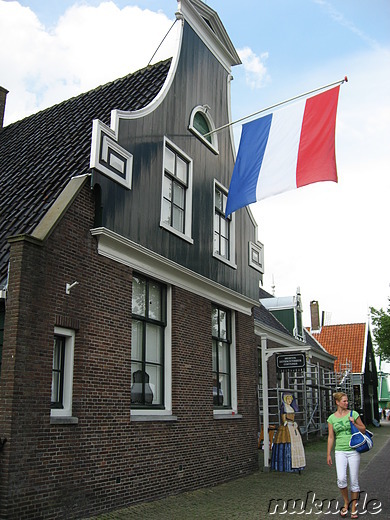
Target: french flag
point(286, 149)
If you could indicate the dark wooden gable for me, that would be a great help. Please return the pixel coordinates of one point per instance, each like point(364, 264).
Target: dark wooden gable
point(369, 369)
point(199, 79)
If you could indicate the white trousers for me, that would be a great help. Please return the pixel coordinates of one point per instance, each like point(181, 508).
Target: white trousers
point(345, 460)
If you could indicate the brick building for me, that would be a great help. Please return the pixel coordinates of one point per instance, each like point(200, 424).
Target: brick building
point(128, 353)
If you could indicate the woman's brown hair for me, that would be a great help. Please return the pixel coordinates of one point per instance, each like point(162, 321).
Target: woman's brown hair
point(337, 396)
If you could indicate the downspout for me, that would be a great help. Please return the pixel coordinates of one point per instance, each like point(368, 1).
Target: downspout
point(264, 376)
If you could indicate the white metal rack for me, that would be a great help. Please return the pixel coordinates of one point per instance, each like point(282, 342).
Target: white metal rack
point(313, 389)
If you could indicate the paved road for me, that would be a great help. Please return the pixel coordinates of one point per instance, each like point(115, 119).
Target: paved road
point(249, 498)
point(375, 484)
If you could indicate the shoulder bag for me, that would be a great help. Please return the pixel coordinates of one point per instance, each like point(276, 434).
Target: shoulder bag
point(360, 442)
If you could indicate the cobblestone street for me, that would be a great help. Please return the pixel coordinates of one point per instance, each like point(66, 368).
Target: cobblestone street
point(254, 497)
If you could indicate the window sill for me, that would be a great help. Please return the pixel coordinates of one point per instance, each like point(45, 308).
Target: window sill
point(225, 260)
point(153, 418)
point(63, 420)
point(227, 416)
point(176, 232)
point(212, 146)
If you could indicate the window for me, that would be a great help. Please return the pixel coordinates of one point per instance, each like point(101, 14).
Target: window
point(57, 385)
point(299, 324)
point(259, 368)
point(62, 372)
point(201, 124)
point(256, 256)
point(224, 239)
point(148, 343)
point(223, 359)
point(176, 210)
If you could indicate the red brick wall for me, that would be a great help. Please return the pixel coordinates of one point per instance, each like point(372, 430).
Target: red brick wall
point(106, 461)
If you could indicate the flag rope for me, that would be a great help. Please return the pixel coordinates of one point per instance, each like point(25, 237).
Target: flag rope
point(340, 82)
point(162, 41)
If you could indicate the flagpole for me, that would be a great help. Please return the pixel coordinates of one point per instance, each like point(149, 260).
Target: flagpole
point(340, 82)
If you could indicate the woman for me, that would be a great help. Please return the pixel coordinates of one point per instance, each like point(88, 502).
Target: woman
point(287, 451)
point(339, 428)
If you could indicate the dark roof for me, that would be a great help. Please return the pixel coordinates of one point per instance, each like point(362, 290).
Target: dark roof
point(39, 154)
point(265, 316)
point(264, 294)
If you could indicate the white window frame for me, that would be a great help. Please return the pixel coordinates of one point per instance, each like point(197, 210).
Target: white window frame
point(233, 410)
point(232, 231)
point(167, 410)
point(259, 248)
point(204, 110)
point(69, 336)
point(188, 195)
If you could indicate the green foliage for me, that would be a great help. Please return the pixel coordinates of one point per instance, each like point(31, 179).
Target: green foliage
point(381, 330)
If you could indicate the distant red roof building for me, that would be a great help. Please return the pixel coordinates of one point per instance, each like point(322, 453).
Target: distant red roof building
point(347, 342)
point(352, 344)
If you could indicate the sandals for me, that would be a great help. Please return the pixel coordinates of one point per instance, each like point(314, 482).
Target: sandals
point(344, 512)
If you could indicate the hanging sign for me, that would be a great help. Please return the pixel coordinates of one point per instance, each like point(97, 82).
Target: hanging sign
point(295, 361)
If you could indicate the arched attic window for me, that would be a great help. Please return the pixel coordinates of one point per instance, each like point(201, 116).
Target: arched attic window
point(201, 124)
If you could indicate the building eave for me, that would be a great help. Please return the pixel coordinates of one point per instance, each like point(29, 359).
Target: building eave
point(56, 211)
point(277, 336)
point(125, 251)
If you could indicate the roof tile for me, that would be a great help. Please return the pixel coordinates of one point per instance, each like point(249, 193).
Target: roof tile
point(346, 342)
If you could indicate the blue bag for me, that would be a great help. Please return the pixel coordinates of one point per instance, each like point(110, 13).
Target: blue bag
point(360, 442)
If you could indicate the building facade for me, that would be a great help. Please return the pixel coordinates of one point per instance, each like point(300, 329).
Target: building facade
point(129, 364)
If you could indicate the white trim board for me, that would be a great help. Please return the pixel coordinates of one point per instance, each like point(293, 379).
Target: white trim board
point(125, 251)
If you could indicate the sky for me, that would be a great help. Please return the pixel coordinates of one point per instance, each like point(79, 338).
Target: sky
point(328, 239)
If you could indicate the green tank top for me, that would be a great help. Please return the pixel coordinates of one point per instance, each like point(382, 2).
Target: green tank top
point(342, 430)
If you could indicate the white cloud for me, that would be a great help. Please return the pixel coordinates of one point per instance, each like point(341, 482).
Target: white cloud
point(88, 46)
point(255, 70)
